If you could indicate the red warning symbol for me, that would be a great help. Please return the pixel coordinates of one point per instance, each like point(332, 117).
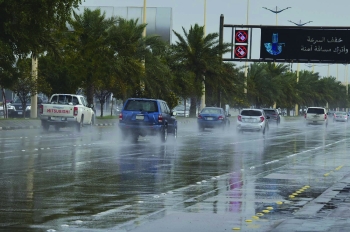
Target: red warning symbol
point(241, 51)
point(241, 36)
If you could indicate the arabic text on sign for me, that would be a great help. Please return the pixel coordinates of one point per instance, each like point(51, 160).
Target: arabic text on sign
point(323, 40)
point(319, 48)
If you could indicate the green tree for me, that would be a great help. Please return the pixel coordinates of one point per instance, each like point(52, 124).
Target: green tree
point(89, 43)
point(25, 86)
point(26, 26)
point(199, 54)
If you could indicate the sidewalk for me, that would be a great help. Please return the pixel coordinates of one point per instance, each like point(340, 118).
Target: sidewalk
point(20, 123)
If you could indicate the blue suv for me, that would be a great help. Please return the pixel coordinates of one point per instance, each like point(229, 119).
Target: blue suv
point(142, 116)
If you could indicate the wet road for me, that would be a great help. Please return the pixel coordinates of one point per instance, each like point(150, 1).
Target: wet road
point(205, 181)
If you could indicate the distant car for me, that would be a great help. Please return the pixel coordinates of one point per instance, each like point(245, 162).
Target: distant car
point(142, 117)
point(212, 117)
point(252, 120)
point(331, 113)
point(181, 112)
point(340, 116)
point(10, 109)
point(274, 115)
point(17, 107)
point(316, 115)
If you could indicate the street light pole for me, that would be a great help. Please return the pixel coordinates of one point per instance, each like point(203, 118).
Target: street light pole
point(144, 20)
point(300, 24)
point(203, 82)
point(246, 64)
point(276, 11)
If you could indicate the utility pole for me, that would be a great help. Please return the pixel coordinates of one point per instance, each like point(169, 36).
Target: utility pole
point(203, 81)
point(300, 24)
point(34, 98)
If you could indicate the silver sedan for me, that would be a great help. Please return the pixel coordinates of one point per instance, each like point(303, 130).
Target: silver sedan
point(340, 116)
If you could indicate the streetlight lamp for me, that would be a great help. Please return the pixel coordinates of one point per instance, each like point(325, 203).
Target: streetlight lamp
point(276, 11)
point(300, 24)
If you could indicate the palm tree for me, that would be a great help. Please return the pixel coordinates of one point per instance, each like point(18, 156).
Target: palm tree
point(199, 54)
point(90, 48)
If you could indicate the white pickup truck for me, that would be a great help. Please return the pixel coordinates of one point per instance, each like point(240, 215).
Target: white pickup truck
point(66, 110)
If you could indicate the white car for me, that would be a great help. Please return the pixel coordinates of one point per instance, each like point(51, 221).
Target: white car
point(181, 112)
point(316, 115)
point(252, 120)
point(340, 116)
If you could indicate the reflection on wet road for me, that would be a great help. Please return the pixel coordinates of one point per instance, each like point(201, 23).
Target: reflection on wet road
point(67, 181)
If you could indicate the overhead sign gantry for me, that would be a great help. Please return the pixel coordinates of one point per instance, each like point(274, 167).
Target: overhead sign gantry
point(307, 44)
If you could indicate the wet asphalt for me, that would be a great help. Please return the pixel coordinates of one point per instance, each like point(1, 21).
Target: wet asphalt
point(316, 200)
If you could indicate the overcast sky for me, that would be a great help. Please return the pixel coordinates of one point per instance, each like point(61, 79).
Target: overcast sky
point(186, 13)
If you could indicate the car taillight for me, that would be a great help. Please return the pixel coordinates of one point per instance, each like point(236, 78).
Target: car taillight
point(262, 118)
point(221, 118)
point(75, 111)
point(240, 118)
point(160, 118)
point(325, 116)
point(120, 116)
point(199, 116)
point(41, 110)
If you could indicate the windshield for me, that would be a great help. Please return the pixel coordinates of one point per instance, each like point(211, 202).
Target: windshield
point(251, 113)
point(17, 100)
point(180, 108)
point(270, 111)
point(211, 111)
point(315, 111)
point(136, 105)
point(340, 113)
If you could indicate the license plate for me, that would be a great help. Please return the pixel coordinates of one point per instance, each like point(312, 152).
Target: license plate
point(210, 118)
point(19, 112)
point(140, 117)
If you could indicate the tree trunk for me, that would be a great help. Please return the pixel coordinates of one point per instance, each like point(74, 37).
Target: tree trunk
point(102, 104)
point(193, 107)
point(24, 106)
point(4, 105)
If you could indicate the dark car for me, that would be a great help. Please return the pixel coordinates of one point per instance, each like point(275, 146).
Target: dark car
point(17, 107)
point(141, 117)
point(212, 117)
point(273, 115)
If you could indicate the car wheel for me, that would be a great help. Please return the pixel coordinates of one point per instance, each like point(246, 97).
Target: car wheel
point(45, 126)
point(164, 134)
point(92, 122)
point(57, 127)
point(80, 124)
point(134, 137)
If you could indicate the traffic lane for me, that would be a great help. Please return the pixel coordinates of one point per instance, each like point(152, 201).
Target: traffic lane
point(267, 189)
point(146, 177)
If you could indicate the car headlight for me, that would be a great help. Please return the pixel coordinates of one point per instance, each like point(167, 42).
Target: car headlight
point(28, 108)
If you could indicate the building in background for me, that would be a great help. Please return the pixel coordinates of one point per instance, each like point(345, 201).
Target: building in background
point(158, 19)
